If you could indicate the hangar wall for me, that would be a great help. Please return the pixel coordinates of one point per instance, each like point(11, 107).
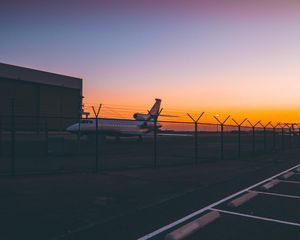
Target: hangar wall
point(38, 96)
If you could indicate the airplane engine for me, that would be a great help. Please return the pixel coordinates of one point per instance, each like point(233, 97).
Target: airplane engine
point(140, 116)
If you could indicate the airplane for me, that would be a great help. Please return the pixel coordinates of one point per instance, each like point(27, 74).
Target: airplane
point(140, 126)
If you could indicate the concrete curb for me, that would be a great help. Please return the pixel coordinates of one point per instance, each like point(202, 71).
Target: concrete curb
point(242, 199)
point(287, 175)
point(270, 184)
point(193, 226)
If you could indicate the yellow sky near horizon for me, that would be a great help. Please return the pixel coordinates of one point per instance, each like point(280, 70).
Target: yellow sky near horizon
point(291, 115)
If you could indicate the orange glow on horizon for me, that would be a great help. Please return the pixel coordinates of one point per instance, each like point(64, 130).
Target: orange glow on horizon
point(264, 114)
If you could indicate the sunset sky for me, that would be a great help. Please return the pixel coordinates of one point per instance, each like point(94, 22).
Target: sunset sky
point(235, 57)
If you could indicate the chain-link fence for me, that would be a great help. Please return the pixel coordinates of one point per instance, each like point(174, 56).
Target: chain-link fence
point(48, 145)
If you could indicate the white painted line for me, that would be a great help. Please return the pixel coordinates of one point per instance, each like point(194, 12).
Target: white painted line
point(287, 175)
point(270, 184)
point(193, 226)
point(277, 194)
point(242, 199)
point(257, 217)
point(173, 224)
point(286, 181)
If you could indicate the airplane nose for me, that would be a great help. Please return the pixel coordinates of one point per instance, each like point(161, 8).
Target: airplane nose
point(70, 128)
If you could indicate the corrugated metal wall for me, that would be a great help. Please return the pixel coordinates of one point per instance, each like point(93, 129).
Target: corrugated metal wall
point(35, 101)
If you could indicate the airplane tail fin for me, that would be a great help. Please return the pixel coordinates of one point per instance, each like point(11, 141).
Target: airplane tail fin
point(153, 111)
point(155, 108)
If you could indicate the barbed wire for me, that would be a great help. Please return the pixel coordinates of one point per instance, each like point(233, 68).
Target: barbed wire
point(123, 111)
point(127, 111)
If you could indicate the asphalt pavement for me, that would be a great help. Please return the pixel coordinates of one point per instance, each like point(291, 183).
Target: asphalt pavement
point(269, 209)
point(273, 216)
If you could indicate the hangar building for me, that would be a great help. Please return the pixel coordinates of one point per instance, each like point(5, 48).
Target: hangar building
point(34, 96)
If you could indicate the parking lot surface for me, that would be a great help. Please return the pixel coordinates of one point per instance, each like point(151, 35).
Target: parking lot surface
point(269, 209)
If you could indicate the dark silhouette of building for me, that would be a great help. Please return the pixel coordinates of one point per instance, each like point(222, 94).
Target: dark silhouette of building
point(34, 96)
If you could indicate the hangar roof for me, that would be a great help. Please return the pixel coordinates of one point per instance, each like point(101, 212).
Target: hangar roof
point(37, 76)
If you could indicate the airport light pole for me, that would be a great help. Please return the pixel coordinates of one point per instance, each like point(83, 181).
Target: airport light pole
point(239, 135)
point(253, 133)
point(97, 137)
point(222, 134)
point(196, 134)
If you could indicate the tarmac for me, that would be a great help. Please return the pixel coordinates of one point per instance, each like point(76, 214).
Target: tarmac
point(127, 204)
point(252, 213)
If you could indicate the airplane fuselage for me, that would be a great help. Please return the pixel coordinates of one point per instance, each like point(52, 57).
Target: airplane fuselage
point(112, 127)
point(141, 125)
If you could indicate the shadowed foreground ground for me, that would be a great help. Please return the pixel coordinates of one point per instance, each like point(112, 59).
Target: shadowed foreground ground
point(43, 207)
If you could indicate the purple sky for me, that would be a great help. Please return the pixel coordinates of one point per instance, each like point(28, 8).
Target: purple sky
point(220, 55)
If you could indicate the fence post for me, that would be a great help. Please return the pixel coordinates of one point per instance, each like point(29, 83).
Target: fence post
point(1, 137)
point(297, 125)
point(282, 136)
point(79, 135)
point(222, 135)
point(239, 135)
point(265, 135)
point(290, 135)
point(155, 142)
point(96, 113)
point(222, 141)
point(265, 140)
point(46, 136)
point(239, 141)
point(97, 145)
point(299, 136)
point(13, 138)
point(196, 142)
point(274, 138)
point(253, 139)
point(196, 135)
point(253, 134)
point(155, 118)
point(37, 125)
point(274, 135)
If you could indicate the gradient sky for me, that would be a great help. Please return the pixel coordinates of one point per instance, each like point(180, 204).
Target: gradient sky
point(236, 57)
